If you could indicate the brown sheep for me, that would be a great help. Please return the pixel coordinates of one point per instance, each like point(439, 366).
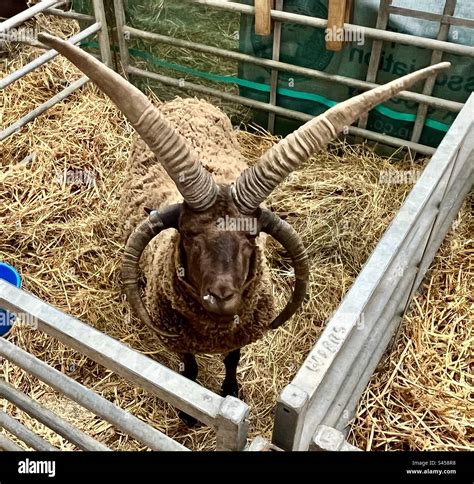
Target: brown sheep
point(208, 289)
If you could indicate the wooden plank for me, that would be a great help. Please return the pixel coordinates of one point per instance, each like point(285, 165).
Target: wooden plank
point(336, 18)
point(263, 20)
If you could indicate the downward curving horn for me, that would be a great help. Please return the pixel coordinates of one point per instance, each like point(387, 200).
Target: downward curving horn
point(194, 183)
point(138, 240)
point(256, 183)
point(286, 235)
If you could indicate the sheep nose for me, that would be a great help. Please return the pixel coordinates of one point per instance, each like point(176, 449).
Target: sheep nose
point(221, 293)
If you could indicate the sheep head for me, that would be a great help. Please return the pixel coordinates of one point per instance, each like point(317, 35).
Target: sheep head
point(218, 261)
point(217, 251)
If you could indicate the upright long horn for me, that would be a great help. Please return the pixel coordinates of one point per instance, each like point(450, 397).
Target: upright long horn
point(172, 150)
point(256, 183)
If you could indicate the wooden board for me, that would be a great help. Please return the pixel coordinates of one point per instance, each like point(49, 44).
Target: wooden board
point(338, 14)
point(263, 21)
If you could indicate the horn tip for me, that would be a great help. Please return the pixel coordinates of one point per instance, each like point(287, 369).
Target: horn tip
point(442, 65)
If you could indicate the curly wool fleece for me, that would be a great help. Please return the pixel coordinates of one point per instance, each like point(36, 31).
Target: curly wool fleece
point(172, 303)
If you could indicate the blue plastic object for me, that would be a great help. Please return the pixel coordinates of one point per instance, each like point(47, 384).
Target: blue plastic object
point(11, 275)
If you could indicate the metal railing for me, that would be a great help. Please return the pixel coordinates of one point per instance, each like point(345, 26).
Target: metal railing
point(99, 27)
point(229, 415)
point(328, 386)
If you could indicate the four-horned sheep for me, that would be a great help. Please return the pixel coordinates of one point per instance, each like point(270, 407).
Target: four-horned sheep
point(208, 288)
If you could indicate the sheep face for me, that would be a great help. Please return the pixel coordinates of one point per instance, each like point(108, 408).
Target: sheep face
point(218, 250)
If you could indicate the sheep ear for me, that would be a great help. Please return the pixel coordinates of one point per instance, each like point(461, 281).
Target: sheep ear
point(256, 183)
point(172, 150)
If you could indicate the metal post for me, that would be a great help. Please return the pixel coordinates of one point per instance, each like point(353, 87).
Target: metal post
point(429, 84)
point(328, 439)
point(232, 425)
point(274, 74)
point(382, 22)
point(122, 36)
point(104, 41)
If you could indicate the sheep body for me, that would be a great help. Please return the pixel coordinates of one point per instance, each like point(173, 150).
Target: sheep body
point(170, 300)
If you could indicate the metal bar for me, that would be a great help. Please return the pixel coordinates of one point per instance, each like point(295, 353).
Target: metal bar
point(42, 108)
point(352, 345)
point(376, 52)
point(69, 14)
point(103, 34)
point(232, 425)
point(168, 385)
point(274, 74)
point(371, 33)
point(452, 195)
point(440, 228)
point(24, 434)
point(122, 36)
point(378, 137)
point(282, 66)
point(337, 353)
point(85, 397)
point(28, 13)
point(49, 418)
point(429, 83)
point(8, 445)
point(46, 57)
point(434, 17)
point(453, 201)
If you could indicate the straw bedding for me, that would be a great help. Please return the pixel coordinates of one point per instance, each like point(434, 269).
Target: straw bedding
point(60, 231)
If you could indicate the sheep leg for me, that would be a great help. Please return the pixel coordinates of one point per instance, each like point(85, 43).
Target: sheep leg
point(189, 369)
point(230, 385)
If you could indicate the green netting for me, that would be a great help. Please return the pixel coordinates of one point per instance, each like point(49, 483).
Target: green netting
point(300, 45)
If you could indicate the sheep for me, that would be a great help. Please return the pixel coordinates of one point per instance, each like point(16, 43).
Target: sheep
point(211, 134)
point(208, 289)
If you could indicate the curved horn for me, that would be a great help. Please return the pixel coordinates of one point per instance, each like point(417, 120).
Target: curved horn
point(286, 235)
point(172, 150)
point(138, 240)
point(256, 183)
